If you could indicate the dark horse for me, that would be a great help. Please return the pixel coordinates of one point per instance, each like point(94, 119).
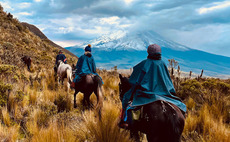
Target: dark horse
point(27, 60)
point(161, 122)
point(89, 84)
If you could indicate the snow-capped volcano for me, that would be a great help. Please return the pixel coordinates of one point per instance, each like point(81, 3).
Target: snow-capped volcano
point(123, 40)
point(126, 49)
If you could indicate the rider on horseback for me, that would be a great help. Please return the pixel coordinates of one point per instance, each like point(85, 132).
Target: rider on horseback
point(150, 82)
point(61, 57)
point(85, 65)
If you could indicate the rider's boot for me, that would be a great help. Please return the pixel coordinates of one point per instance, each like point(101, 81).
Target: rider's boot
point(122, 123)
point(72, 85)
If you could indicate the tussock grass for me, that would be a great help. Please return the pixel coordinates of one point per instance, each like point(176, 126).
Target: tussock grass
point(9, 134)
point(34, 108)
point(33, 98)
point(209, 128)
point(105, 129)
point(54, 134)
point(64, 102)
point(6, 117)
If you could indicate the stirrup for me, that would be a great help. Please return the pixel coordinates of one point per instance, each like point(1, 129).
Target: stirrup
point(72, 85)
point(123, 124)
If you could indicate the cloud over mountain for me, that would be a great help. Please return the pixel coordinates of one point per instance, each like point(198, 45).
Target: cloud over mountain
point(188, 22)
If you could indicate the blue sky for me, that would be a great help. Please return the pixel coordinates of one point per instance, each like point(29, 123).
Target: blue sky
point(198, 24)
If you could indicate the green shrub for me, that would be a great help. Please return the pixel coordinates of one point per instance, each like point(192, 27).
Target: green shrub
point(223, 87)
point(4, 88)
point(190, 88)
point(19, 96)
point(7, 69)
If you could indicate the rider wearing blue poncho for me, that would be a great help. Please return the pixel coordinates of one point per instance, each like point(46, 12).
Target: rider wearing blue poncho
point(151, 82)
point(85, 65)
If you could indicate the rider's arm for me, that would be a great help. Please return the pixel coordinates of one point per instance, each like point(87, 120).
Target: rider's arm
point(79, 63)
point(94, 65)
point(57, 59)
point(64, 59)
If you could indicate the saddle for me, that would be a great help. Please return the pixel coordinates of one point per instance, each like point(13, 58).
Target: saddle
point(131, 116)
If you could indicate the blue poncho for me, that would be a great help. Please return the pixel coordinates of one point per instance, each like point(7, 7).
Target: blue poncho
point(154, 83)
point(85, 65)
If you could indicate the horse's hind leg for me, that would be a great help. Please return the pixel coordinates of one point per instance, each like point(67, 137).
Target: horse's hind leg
point(75, 93)
point(99, 95)
point(134, 134)
point(86, 100)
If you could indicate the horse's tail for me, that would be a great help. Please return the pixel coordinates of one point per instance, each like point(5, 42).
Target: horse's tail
point(98, 80)
point(99, 94)
point(69, 74)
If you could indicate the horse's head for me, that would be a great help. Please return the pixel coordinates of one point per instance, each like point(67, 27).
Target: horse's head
point(59, 63)
point(124, 86)
point(27, 60)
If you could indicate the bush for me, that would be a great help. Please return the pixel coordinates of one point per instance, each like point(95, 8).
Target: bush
point(191, 88)
point(63, 102)
point(4, 89)
point(46, 111)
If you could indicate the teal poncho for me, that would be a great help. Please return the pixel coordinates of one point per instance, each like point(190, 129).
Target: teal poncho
point(85, 65)
point(154, 83)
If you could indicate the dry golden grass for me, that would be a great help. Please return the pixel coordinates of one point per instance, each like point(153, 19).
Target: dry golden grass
point(106, 129)
point(54, 134)
point(209, 128)
point(6, 117)
point(35, 108)
point(49, 114)
point(9, 134)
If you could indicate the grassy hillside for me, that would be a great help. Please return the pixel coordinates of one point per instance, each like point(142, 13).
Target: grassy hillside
point(34, 108)
point(16, 40)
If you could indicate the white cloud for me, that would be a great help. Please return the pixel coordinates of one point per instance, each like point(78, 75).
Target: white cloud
point(25, 13)
point(94, 30)
point(125, 25)
point(110, 20)
point(128, 1)
point(197, 37)
point(66, 29)
point(24, 5)
point(217, 6)
point(6, 6)
point(37, 0)
point(68, 43)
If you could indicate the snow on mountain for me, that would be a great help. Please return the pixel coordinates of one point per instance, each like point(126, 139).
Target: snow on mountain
point(123, 40)
point(126, 49)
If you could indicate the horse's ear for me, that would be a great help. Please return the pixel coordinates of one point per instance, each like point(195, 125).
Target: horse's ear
point(120, 76)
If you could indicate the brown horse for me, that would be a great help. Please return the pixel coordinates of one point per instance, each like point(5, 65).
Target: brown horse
point(161, 121)
point(27, 60)
point(89, 84)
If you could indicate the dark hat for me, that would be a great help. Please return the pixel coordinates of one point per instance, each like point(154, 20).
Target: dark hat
point(88, 48)
point(154, 49)
point(60, 51)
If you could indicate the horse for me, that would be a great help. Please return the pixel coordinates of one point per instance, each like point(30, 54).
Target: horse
point(87, 85)
point(161, 122)
point(27, 60)
point(64, 71)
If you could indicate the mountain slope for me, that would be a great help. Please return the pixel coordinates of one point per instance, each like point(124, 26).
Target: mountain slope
point(17, 40)
point(127, 49)
point(37, 32)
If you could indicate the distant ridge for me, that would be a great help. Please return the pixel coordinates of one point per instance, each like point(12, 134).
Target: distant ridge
point(124, 50)
point(38, 32)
